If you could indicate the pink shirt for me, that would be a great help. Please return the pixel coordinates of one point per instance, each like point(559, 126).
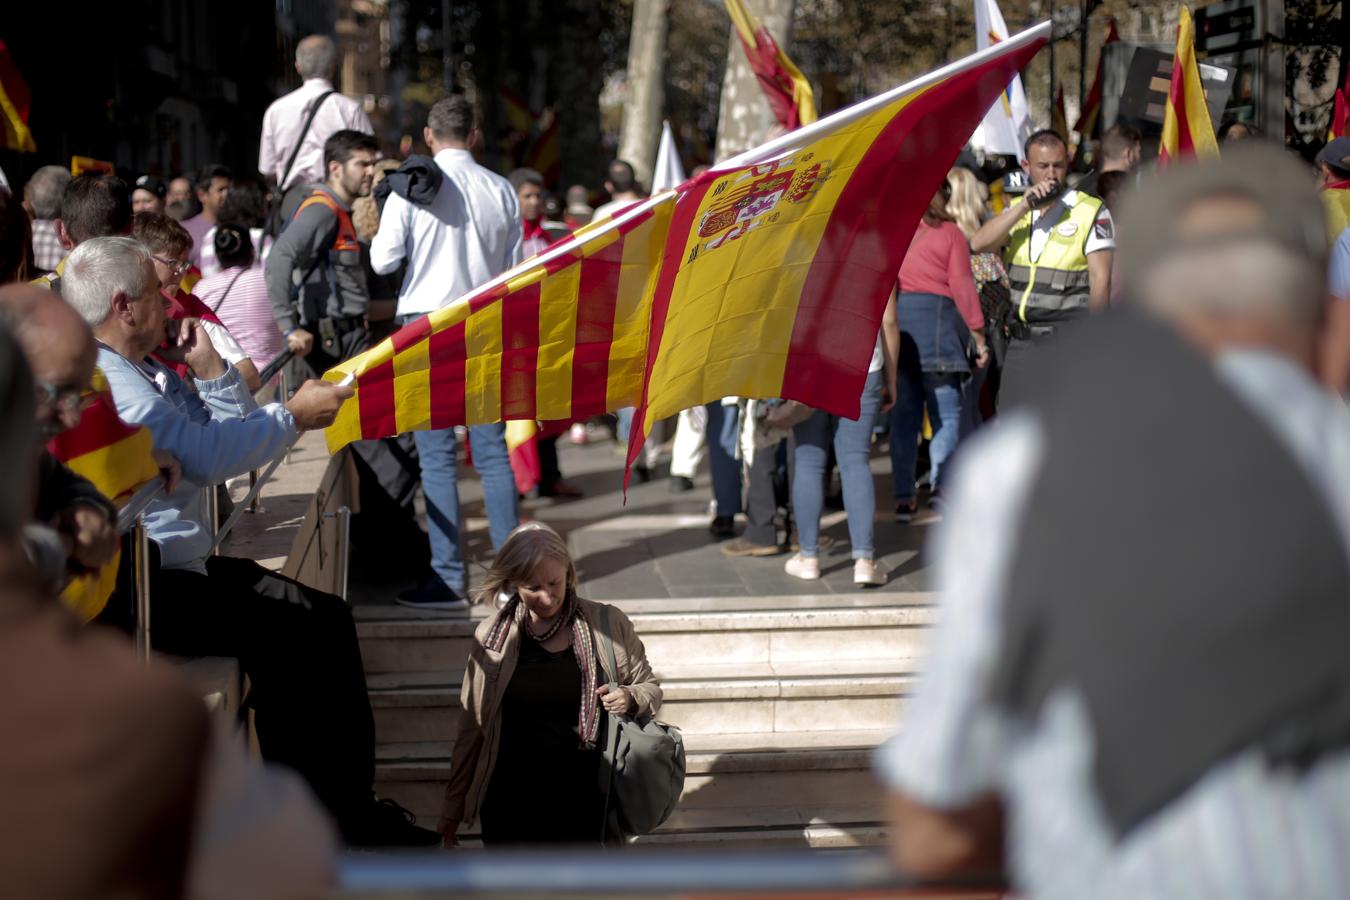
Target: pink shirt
point(246, 312)
point(938, 262)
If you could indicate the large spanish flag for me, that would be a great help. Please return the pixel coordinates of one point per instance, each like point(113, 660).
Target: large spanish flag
point(763, 277)
point(561, 336)
point(118, 459)
point(14, 106)
point(780, 261)
point(1187, 130)
point(788, 92)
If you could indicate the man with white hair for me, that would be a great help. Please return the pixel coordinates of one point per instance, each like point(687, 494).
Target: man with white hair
point(297, 645)
point(295, 126)
point(1140, 676)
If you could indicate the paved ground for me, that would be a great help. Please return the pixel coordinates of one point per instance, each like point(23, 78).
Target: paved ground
point(657, 545)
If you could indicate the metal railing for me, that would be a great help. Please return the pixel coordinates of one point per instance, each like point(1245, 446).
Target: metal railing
point(636, 872)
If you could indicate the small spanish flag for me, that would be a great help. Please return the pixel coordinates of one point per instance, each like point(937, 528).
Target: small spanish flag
point(1090, 117)
point(118, 459)
point(1187, 130)
point(788, 91)
point(1340, 113)
point(14, 104)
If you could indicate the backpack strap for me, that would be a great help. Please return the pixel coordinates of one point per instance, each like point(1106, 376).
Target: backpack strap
point(304, 132)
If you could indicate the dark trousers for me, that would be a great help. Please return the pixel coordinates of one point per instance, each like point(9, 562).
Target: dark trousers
point(549, 474)
point(766, 492)
point(298, 646)
point(327, 354)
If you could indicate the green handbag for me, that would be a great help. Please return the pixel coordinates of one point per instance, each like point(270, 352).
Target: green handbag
point(644, 766)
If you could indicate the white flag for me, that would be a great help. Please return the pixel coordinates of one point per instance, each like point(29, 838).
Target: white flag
point(669, 173)
point(1008, 123)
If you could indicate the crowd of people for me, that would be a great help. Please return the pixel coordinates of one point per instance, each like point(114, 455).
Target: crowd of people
point(1149, 392)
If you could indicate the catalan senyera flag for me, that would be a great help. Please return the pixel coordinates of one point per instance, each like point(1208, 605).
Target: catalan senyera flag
point(561, 336)
point(118, 459)
point(1187, 130)
point(15, 102)
point(1089, 119)
point(764, 277)
point(780, 261)
point(788, 92)
point(1340, 111)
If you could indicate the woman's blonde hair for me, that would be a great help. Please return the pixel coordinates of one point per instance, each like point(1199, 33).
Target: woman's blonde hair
point(521, 553)
point(967, 203)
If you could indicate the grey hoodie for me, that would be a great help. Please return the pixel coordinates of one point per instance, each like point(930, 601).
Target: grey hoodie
point(306, 240)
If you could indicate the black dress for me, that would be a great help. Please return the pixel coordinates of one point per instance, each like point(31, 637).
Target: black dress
point(545, 789)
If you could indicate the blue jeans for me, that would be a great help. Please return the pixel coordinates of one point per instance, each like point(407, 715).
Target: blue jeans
point(723, 433)
point(852, 447)
point(436, 451)
point(941, 394)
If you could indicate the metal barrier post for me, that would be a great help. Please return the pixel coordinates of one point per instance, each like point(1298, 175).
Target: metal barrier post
point(255, 505)
point(140, 561)
point(211, 504)
point(285, 398)
point(344, 557)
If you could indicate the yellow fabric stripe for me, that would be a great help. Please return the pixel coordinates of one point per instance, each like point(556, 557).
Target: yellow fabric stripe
point(1193, 94)
point(17, 135)
point(743, 19)
point(117, 470)
point(558, 298)
point(734, 306)
point(412, 387)
point(483, 371)
point(87, 595)
point(642, 248)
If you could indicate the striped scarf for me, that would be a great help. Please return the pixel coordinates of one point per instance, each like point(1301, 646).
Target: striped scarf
point(514, 613)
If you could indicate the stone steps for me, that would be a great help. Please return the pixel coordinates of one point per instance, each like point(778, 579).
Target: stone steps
point(394, 642)
point(713, 699)
point(733, 781)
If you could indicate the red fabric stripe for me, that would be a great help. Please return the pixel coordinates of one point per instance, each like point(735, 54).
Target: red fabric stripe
point(681, 224)
point(1176, 97)
point(411, 333)
point(375, 395)
point(99, 427)
point(446, 354)
point(870, 229)
point(520, 352)
point(597, 297)
point(16, 88)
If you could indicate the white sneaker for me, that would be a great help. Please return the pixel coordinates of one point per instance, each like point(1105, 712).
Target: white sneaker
point(578, 434)
point(807, 568)
point(867, 573)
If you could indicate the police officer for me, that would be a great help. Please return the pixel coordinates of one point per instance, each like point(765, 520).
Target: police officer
point(1057, 245)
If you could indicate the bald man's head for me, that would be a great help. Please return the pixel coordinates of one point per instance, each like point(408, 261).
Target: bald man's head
point(60, 350)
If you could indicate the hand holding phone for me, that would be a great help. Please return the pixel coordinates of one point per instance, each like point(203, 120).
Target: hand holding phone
point(1041, 195)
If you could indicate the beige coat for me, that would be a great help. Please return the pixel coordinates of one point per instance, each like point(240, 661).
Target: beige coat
point(485, 681)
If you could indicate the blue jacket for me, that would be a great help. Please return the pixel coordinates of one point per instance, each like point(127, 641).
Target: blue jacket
point(216, 432)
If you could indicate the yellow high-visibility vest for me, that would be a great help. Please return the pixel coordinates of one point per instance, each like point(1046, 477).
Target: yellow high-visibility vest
point(1055, 286)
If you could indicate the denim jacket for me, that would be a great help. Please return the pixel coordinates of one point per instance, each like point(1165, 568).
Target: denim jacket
point(215, 432)
point(938, 333)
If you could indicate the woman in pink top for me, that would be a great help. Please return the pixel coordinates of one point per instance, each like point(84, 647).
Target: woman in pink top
point(941, 328)
point(238, 295)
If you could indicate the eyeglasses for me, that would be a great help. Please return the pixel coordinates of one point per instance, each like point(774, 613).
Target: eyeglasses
point(66, 400)
point(176, 266)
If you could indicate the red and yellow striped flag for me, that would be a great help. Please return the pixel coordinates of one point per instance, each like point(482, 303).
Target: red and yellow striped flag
point(1340, 111)
point(764, 277)
point(1059, 119)
point(14, 106)
point(777, 272)
point(118, 459)
point(562, 336)
point(1187, 130)
point(1090, 116)
point(788, 92)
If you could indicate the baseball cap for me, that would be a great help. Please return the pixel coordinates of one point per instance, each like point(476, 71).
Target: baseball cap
point(151, 183)
point(1282, 186)
point(1336, 153)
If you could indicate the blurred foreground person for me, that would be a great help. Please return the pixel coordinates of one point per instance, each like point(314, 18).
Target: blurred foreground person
point(526, 757)
point(122, 785)
point(1140, 683)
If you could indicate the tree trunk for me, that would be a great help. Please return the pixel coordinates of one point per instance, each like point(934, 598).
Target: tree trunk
point(645, 101)
point(745, 119)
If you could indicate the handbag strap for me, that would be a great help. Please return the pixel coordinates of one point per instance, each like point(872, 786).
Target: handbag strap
point(304, 131)
point(226, 292)
point(612, 738)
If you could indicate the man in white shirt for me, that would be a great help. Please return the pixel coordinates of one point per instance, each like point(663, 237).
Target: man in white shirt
point(284, 121)
point(469, 234)
point(623, 188)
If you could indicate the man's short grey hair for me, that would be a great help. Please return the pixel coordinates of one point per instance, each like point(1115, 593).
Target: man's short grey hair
point(45, 189)
point(316, 57)
point(100, 268)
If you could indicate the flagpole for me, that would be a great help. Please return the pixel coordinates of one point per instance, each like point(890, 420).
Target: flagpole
point(1051, 97)
point(1082, 60)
